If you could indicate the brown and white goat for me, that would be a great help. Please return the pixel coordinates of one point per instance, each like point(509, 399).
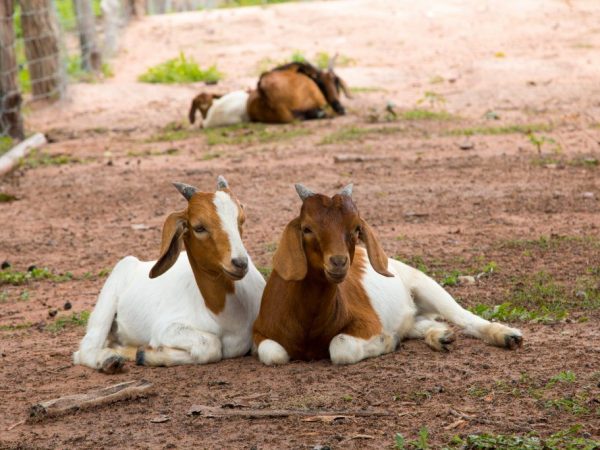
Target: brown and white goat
point(327, 297)
point(220, 110)
point(296, 91)
point(193, 309)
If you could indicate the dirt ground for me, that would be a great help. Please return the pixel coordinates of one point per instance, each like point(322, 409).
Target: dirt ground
point(448, 192)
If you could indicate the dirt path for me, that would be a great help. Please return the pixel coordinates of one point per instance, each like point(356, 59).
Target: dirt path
point(497, 70)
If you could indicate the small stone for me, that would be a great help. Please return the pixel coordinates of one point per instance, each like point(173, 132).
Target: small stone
point(466, 145)
point(52, 312)
point(581, 295)
point(588, 195)
point(67, 306)
point(5, 265)
point(466, 279)
point(160, 419)
point(31, 268)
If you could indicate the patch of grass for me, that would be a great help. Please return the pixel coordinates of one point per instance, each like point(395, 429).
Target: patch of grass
point(6, 143)
point(575, 405)
point(38, 158)
point(353, 133)
point(321, 60)
point(252, 134)
point(174, 131)
point(75, 319)
point(505, 129)
point(566, 376)
point(507, 312)
point(434, 99)
point(421, 443)
point(19, 326)
point(347, 398)
point(16, 278)
point(144, 153)
point(76, 73)
point(425, 114)
point(241, 3)
point(7, 198)
point(180, 70)
point(265, 271)
point(366, 89)
point(562, 440)
point(539, 141)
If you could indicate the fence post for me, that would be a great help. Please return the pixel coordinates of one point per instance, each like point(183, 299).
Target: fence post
point(40, 34)
point(91, 60)
point(11, 121)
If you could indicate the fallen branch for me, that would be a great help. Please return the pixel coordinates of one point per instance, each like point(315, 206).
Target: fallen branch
point(215, 412)
point(11, 158)
point(72, 403)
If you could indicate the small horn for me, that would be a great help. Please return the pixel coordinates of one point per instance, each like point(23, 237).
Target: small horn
point(186, 190)
point(303, 191)
point(332, 62)
point(347, 191)
point(222, 183)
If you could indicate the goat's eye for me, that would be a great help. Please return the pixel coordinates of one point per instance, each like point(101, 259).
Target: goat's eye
point(357, 230)
point(199, 229)
point(306, 230)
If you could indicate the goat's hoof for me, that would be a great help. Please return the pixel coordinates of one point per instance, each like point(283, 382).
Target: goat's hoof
point(113, 365)
point(140, 357)
point(513, 341)
point(446, 339)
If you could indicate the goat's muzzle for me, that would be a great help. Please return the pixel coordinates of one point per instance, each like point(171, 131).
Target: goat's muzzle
point(336, 268)
point(237, 269)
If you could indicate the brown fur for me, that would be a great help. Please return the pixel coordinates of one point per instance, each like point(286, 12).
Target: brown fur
point(202, 102)
point(208, 254)
point(302, 308)
point(295, 91)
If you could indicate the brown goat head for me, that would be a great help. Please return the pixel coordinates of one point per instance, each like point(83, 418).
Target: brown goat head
point(202, 102)
point(322, 239)
point(210, 228)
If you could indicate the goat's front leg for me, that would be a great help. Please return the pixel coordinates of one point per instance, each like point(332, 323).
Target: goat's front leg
point(347, 349)
point(179, 343)
point(269, 351)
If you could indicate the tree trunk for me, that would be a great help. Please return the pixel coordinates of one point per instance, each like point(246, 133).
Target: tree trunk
point(11, 122)
point(91, 59)
point(40, 34)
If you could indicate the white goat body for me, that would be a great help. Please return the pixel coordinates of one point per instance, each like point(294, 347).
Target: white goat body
point(230, 109)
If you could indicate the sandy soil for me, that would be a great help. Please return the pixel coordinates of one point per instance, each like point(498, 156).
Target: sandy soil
point(531, 62)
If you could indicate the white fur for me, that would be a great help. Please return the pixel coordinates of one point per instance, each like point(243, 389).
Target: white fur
point(169, 311)
point(227, 211)
point(227, 110)
point(272, 353)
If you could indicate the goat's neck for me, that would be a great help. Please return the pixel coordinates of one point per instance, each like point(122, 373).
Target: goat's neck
point(214, 285)
point(318, 292)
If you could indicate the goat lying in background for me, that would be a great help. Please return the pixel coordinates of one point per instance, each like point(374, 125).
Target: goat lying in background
point(327, 297)
point(296, 91)
point(192, 310)
point(220, 110)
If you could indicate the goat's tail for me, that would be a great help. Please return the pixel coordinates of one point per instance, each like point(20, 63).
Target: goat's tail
point(192, 114)
point(93, 350)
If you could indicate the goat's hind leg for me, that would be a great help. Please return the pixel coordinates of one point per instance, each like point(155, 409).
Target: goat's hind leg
point(436, 334)
point(179, 344)
point(347, 349)
point(432, 299)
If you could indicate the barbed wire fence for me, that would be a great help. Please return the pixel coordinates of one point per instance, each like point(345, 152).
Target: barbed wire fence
point(46, 44)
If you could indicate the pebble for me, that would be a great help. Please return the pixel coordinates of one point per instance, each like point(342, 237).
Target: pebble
point(588, 195)
point(53, 312)
point(466, 145)
point(466, 279)
point(582, 295)
point(5, 265)
point(67, 306)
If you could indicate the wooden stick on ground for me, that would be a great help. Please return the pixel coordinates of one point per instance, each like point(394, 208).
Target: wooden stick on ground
point(71, 403)
point(213, 412)
point(10, 159)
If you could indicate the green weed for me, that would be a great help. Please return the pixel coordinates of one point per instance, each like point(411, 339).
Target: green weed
point(38, 158)
point(19, 326)
point(6, 143)
point(505, 129)
point(574, 405)
point(421, 443)
point(75, 319)
point(7, 198)
point(425, 114)
point(16, 278)
point(180, 70)
point(563, 377)
point(252, 134)
point(353, 133)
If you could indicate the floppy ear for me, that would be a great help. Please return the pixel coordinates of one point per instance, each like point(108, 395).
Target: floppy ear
point(377, 256)
point(216, 96)
point(193, 108)
point(170, 247)
point(289, 260)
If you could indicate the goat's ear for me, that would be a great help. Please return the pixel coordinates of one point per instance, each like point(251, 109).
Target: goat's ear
point(216, 96)
point(193, 109)
point(170, 247)
point(377, 256)
point(289, 260)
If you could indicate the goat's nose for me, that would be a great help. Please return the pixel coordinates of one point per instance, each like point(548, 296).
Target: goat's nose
point(240, 263)
point(338, 261)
